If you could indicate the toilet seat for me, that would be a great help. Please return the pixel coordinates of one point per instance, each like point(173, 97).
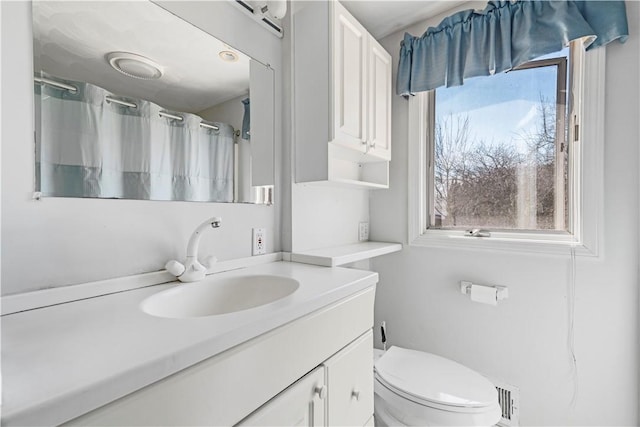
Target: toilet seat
point(435, 382)
point(394, 410)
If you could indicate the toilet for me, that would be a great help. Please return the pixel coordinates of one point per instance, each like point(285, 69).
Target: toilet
point(414, 388)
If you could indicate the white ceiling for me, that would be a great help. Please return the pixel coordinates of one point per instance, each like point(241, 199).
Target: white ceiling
point(384, 17)
point(73, 38)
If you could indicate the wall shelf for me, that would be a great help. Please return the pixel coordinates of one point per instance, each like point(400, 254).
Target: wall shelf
point(345, 254)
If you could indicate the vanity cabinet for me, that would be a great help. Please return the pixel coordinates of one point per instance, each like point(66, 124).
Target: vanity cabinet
point(274, 379)
point(339, 391)
point(342, 99)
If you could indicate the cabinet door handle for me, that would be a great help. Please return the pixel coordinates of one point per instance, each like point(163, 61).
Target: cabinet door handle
point(355, 394)
point(373, 145)
point(321, 391)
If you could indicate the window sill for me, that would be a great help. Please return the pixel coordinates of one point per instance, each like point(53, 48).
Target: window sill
point(545, 244)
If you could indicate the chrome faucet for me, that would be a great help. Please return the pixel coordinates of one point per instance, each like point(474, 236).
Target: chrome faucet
point(192, 270)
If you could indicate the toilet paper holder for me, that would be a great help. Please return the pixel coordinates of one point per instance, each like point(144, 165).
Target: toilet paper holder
point(502, 292)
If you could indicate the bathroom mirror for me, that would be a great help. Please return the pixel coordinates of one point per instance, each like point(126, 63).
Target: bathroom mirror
point(133, 102)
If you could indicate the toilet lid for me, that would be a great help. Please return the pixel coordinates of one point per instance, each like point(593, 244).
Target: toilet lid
point(428, 378)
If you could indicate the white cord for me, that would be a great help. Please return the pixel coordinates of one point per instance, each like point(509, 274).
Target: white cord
point(571, 296)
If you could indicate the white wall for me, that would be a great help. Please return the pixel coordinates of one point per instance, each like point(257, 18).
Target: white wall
point(60, 241)
point(523, 341)
point(327, 216)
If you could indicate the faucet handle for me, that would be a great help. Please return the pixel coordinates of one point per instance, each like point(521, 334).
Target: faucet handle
point(210, 261)
point(174, 267)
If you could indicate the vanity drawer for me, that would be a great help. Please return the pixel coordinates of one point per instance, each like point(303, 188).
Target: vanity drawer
point(350, 383)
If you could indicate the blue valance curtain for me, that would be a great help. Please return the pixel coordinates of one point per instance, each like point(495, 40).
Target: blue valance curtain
point(502, 36)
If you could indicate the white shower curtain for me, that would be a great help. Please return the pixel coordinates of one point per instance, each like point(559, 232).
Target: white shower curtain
point(89, 147)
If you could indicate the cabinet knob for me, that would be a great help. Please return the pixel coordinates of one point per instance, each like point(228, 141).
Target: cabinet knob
point(355, 394)
point(321, 391)
point(373, 145)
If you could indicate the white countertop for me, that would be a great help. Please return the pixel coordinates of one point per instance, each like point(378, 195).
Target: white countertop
point(62, 361)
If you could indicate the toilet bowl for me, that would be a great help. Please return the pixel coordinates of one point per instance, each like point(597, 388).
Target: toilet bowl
point(414, 388)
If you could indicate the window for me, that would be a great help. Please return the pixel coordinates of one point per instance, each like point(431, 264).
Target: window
point(511, 155)
point(499, 158)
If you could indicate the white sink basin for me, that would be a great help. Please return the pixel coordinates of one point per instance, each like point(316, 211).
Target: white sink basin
point(221, 296)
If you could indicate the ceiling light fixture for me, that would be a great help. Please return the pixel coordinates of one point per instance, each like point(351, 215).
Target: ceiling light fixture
point(134, 65)
point(228, 56)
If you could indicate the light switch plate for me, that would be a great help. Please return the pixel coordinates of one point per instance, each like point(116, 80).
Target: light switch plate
point(363, 231)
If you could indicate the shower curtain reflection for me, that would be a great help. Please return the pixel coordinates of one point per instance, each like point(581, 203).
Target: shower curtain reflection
point(89, 146)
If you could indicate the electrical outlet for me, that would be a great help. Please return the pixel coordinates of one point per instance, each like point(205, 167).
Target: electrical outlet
point(363, 231)
point(259, 244)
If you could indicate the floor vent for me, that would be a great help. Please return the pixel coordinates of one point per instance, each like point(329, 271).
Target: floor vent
point(509, 399)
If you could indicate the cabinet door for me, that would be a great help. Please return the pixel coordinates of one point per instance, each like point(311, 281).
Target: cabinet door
point(301, 404)
point(379, 118)
point(350, 382)
point(350, 42)
point(262, 120)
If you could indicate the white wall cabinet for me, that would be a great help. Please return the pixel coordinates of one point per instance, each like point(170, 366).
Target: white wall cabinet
point(342, 99)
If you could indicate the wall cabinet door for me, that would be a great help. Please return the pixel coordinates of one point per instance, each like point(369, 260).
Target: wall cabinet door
point(301, 404)
point(350, 382)
point(379, 108)
point(350, 45)
point(262, 119)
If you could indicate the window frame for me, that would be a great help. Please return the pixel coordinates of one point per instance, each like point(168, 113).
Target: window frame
point(586, 187)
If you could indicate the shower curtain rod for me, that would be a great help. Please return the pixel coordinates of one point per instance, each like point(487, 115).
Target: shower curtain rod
point(57, 85)
point(121, 102)
point(208, 126)
point(180, 118)
point(170, 116)
point(73, 89)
